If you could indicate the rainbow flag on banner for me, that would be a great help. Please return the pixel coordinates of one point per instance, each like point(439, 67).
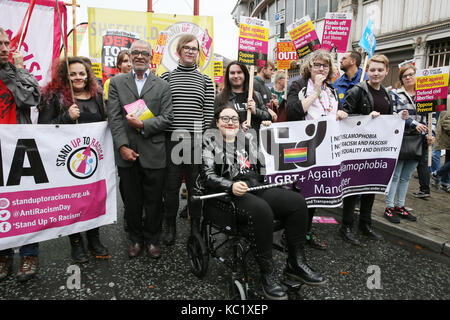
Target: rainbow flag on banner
point(295, 155)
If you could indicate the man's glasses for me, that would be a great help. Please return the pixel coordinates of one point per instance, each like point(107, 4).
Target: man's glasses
point(227, 119)
point(192, 49)
point(137, 52)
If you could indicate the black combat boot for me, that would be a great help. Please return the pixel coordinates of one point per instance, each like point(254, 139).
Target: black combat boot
point(170, 233)
point(297, 267)
point(271, 288)
point(94, 244)
point(366, 229)
point(348, 235)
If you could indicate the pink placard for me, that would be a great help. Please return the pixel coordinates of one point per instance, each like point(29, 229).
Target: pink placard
point(24, 212)
point(326, 220)
point(336, 32)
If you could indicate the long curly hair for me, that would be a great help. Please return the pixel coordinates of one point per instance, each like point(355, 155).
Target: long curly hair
point(59, 85)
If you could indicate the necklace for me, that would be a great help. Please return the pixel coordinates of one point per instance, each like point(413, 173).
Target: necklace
point(329, 108)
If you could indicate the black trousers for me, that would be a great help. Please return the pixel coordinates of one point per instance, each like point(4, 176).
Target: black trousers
point(174, 175)
point(365, 212)
point(142, 197)
point(259, 210)
point(423, 170)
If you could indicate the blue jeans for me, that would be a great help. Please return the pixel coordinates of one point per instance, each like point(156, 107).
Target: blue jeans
point(435, 160)
point(31, 249)
point(400, 181)
point(444, 171)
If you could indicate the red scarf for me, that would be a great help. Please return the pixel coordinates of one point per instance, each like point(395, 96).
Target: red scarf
point(7, 106)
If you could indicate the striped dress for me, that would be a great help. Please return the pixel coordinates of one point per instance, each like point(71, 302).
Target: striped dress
point(192, 99)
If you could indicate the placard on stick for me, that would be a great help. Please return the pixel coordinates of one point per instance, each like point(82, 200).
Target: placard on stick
point(304, 36)
point(431, 89)
point(253, 48)
point(336, 31)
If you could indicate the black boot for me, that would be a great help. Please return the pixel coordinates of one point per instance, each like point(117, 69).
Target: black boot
point(94, 244)
point(78, 251)
point(348, 235)
point(271, 288)
point(367, 230)
point(170, 233)
point(296, 267)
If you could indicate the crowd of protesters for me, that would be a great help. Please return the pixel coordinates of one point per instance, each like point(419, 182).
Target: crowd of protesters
point(184, 100)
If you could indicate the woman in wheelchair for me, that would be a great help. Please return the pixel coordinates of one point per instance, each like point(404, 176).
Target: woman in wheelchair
point(231, 164)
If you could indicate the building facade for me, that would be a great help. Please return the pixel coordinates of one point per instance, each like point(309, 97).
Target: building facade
point(404, 29)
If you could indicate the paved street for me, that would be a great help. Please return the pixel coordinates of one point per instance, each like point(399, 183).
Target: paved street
point(406, 270)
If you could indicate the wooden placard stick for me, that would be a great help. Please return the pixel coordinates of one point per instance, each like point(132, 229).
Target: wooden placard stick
point(74, 6)
point(65, 54)
point(250, 93)
point(366, 60)
point(430, 135)
point(286, 81)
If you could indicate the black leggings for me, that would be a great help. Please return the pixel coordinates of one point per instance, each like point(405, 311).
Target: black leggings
point(260, 209)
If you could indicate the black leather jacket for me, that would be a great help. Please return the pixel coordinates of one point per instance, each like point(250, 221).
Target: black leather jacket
point(360, 101)
point(221, 169)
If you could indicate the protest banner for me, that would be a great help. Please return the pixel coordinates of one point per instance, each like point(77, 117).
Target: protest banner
point(336, 31)
point(431, 89)
point(81, 36)
point(368, 42)
point(42, 43)
point(158, 50)
point(218, 69)
point(304, 36)
point(285, 54)
point(253, 48)
point(333, 159)
point(253, 41)
point(431, 95)
point(147, 26)
point(55, 187)
point(205, 48)
point(114, 41)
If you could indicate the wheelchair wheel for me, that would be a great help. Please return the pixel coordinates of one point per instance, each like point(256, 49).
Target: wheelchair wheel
point(236, 290)
point(198, 255)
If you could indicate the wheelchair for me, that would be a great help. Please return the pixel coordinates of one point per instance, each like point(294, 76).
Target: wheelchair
point(219, 228)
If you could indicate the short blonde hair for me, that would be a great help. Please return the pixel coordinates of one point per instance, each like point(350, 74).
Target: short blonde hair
point(306, 67)
point(380, 58)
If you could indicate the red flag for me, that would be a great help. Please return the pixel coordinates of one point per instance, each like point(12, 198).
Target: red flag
point(21, 34)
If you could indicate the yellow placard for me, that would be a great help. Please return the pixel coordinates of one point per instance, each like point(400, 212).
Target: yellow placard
point(431, 82)
point(148, 26)
point(301, 31)
point(97, 68)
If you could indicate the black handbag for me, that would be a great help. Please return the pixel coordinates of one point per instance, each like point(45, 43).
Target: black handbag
point(411, 146)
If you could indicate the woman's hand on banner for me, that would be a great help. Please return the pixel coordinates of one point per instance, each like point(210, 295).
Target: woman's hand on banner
point(341, 115)
point(375, 114)
point(404, 114)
